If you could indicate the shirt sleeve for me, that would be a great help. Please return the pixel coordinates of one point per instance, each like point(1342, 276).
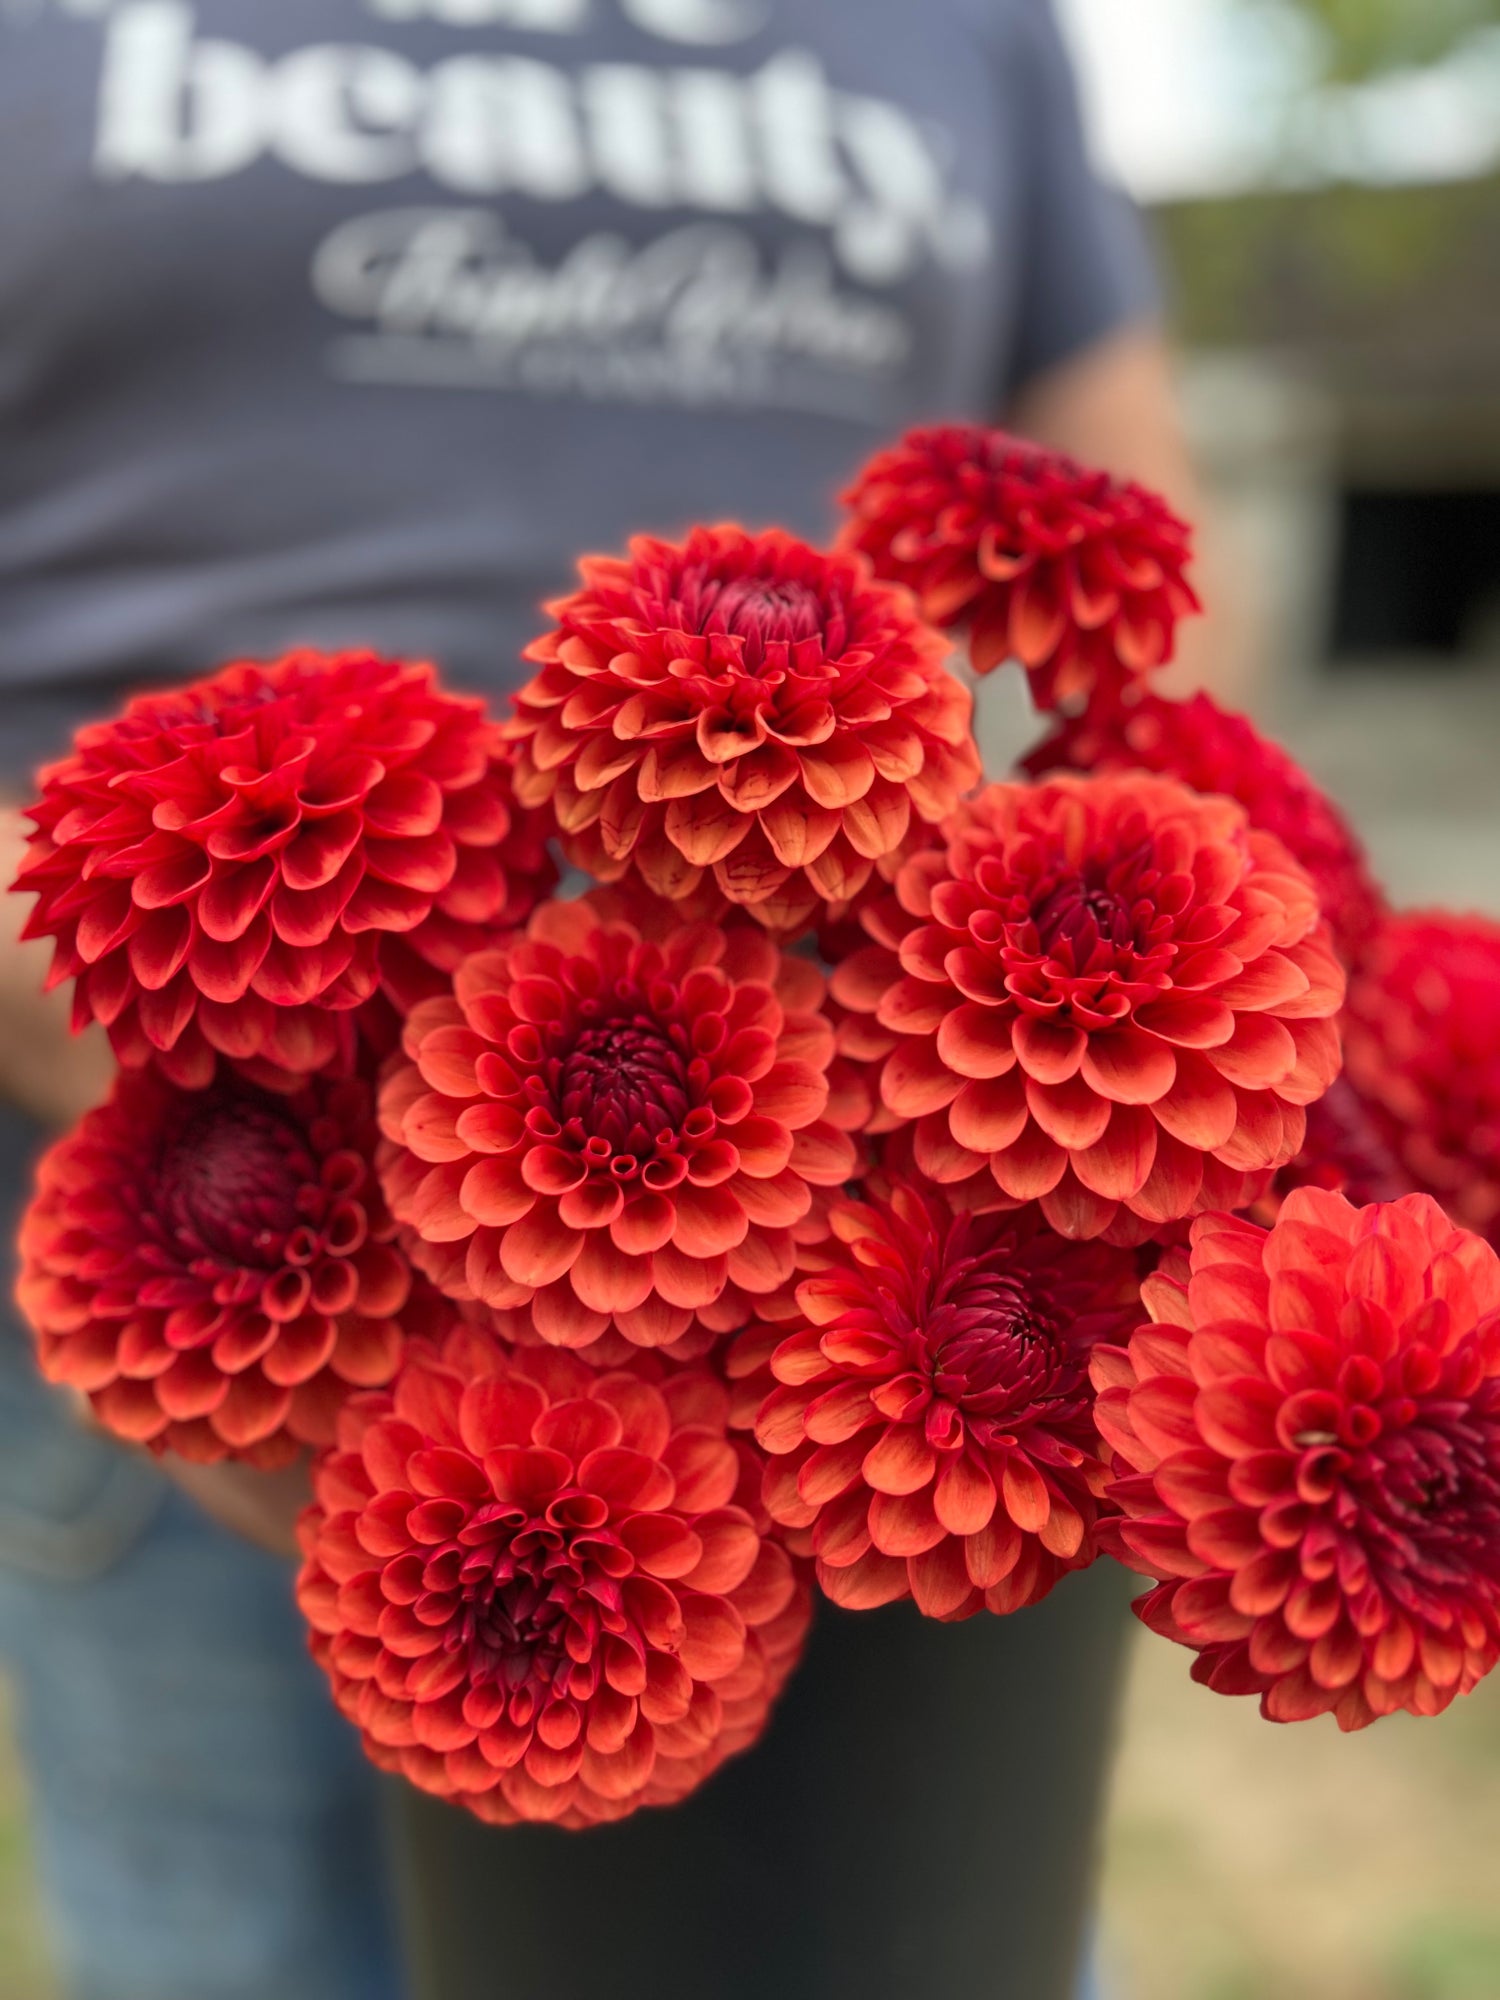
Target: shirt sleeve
point(1087, 266)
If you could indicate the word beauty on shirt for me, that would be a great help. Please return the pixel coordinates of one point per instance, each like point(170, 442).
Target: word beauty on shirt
point(179, 107)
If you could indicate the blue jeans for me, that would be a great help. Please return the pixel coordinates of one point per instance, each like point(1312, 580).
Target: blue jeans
point(204, 1823)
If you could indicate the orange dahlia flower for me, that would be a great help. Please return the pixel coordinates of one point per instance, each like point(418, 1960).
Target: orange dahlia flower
point(602, 1129)
point(743, 715)
point(934, 1427)
point(216, 1269)
point(1213, 750)
point(1115, 994)
point(1308, 1444)
point(532, 1591)
point(1423, 1047)
point(1078, 576)
point(229, 867)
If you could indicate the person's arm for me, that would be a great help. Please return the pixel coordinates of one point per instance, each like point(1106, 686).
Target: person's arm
point(45, 1070)
point(1113, 405)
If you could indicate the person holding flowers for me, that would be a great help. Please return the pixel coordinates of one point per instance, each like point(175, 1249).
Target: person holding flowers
point(637, 1283)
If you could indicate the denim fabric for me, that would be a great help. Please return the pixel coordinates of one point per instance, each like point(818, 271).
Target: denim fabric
point(205, 1826)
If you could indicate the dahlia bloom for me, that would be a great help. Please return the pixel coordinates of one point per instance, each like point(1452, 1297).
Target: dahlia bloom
point(1115, 994)
point(1423, 1040)
point(934, 1428)
point(1308, 1444)
point(1080, 577)
point(229, 867)
point(740, 716)
point(533, 1592)
point(216, 1269)
point(602, 1129)
point(1211, 749)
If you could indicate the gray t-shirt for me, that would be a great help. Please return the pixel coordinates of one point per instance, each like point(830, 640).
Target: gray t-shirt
point(347, 321)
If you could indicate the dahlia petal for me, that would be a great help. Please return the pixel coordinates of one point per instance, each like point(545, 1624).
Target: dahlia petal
point(976, 1041)
point(796, 832)
point(1173, 1185)
point(234, 897)
point(1188, 1020)
point(537, 1249)
point(1261, 1053)
point(837, 1415)
point(494, 1413)
point(899, 1462)
point(1239, 1417)
point(986, 1117)
point(939, 1155)
point(708, 1222)
point(1069, 1112)
point(1075, 1211)
point(1200, 1108)
point(688, 1281)
point(793, 1093)
point(160, 946)
point(877, 824)
point(1129, 1067)
point(903, 1524)
point(874, 1580)
point(1024, 1494)
point(644, 1223)
point(1118, 1165)
point(605, 1279)
point(963, 1497)
point(1031, 1167)
point(939, 1581)
point(705, 828)
point(837, 773)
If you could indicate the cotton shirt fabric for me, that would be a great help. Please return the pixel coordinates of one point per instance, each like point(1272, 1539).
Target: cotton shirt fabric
point(355, 321)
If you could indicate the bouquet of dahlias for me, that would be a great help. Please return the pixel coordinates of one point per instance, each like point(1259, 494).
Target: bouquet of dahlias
point(874, 1184)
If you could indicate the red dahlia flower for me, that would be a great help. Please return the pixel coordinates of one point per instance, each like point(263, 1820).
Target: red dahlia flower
point(228, 867)
point(533, 1592)
point(1114, 993)
point(1423, 1037)
point(216, 1268)
point(1309, 1444)
point(1212, 750)
point(741, 714)
point(1079, 577)
point(935, 1424)
point(603, 1129)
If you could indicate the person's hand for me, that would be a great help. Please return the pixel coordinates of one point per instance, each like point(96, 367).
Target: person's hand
point(44, 1068)
point(261, 1506)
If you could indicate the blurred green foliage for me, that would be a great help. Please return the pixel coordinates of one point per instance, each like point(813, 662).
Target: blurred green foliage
point(1355, 39)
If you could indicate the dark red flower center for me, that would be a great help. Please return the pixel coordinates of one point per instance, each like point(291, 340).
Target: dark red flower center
point(1423, 1499)
point(625, 1080)
point(764, 611)
point(527, 1604)
point(1083, 914)
point(757, 608)
point(227, 1184)
point(993, 1351)
point(517, 1632)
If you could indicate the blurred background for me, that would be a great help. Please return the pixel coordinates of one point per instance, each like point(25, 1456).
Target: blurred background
point(1324, 179)
point(1324, 176)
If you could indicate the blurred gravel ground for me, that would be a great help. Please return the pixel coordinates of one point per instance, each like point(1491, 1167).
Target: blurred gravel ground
point(1243, 1861)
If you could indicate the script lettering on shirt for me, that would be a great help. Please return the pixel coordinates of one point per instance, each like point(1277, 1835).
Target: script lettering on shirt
point(452, 297)
point(177, 106)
